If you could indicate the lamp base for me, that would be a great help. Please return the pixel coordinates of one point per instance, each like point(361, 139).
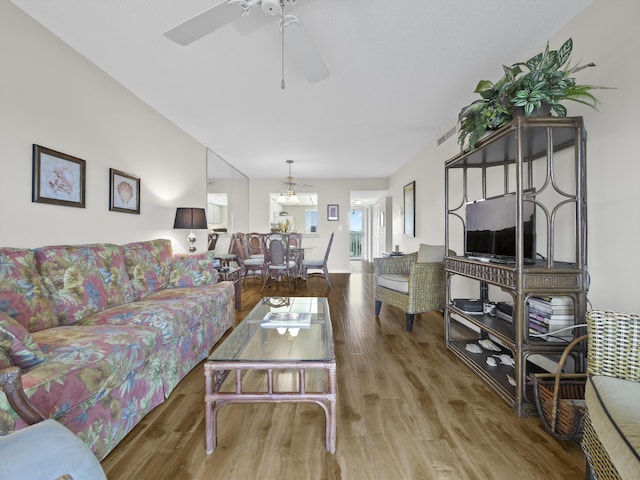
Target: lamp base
point(192, 242)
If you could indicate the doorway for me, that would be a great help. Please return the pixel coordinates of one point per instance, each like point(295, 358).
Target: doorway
point(356, 233)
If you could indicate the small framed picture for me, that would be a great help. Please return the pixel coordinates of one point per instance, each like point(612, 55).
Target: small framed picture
point(57, 178)
point(333, 212)
point(124, 192)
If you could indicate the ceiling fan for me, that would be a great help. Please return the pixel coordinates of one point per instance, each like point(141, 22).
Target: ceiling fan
point(289, 196)
point(299, 44)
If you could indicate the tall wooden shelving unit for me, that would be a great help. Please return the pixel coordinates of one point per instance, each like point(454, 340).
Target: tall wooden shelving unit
point(529, 155)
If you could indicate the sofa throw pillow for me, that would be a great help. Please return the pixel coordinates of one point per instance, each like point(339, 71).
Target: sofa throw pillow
point(18, 343)
point(193, 270)
point(148, 265)
point(430, 253)
point(23, 295)
point(84, 279)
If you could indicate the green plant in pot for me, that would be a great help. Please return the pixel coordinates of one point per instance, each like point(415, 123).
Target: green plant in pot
point(539, 85)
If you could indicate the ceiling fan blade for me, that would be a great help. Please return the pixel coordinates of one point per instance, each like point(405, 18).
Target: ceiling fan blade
point(304, 52)
point(204, 23)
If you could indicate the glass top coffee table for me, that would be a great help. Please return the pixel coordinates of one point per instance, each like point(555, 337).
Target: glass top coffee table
point(281, 336)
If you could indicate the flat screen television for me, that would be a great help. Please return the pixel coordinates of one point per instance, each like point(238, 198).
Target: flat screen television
point(491, 229)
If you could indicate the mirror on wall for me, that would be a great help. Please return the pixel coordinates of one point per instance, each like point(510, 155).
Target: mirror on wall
point(227, 195)
point(301, 211)
point(217, 211)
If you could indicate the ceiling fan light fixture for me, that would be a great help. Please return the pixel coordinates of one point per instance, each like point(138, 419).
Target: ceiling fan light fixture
point(270, 7)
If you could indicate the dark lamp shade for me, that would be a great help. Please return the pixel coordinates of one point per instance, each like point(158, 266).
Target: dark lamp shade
point(191, 218)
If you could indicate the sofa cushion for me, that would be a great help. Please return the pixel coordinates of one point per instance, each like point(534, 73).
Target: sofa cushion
point(84, 279)
point(614, 412)
point(193, 270)
point(148, 265)
point(174, 319)
point(430, 253)
point(22, 295)
point(399, 283)
point(18, 343)
point(86, 362)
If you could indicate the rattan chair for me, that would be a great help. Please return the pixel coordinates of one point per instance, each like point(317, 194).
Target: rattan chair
point(278, 264)
point(412, 286)
point(254, 267)
point(320, 264)
point(213, 239)
point(613, 361)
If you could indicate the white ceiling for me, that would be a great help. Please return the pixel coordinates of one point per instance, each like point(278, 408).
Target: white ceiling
point(400, 71)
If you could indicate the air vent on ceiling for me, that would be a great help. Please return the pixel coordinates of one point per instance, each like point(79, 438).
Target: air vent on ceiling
point(447, 135)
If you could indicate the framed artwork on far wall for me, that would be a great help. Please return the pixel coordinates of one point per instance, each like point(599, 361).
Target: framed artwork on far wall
point(57, 178)
point(124, 192)
point(333, 212)
point(409, 195)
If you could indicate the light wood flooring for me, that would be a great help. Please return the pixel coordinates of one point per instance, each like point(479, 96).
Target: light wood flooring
point(407, 409)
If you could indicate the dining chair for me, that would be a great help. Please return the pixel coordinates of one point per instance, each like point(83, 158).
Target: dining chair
point(320, 264)
point(255, 245)
point(254, 267)
point(213, 239)
point(278, 264)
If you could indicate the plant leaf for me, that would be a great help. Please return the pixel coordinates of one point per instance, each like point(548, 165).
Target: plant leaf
point(565, 52)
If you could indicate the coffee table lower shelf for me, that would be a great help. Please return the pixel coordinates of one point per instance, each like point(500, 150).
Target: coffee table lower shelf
point(216, 371)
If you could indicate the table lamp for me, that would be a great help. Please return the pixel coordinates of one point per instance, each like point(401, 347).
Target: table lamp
point(191, 218)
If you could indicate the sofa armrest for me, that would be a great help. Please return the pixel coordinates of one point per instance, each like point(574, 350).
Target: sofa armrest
point(395, 265)
point(192, 270)
point(11, 385)
point(614, 342)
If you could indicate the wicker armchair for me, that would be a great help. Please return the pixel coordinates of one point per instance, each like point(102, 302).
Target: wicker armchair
point(612, 424)
point(405, 283)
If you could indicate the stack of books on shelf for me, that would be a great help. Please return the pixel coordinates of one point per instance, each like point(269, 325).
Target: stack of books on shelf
point(550, 317)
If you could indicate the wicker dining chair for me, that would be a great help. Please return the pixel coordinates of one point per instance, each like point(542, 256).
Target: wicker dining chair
point(254, 267)
point(320, 264)
point(278, 265)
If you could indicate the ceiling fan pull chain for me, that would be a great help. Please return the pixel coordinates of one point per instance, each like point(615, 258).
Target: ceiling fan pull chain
point(282, 28)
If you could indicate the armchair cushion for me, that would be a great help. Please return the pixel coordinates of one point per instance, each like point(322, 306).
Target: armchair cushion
point(22, 349)
point(47, 450)
point(396, 282)
point(614, 412)
point(430, 253)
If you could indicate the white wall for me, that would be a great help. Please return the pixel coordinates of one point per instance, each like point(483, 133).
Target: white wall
point(52, 96)
point(606, 34)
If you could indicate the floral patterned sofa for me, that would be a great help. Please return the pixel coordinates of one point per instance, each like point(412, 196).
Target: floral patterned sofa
point(103, 333)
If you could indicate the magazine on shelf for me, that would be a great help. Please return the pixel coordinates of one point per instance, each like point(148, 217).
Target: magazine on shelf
point(551, 305)
point(286, 320)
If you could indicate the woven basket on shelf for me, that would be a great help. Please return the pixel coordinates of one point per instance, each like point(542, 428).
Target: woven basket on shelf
point(560, 399)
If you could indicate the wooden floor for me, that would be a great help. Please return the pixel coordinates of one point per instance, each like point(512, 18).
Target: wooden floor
point(407, 409)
